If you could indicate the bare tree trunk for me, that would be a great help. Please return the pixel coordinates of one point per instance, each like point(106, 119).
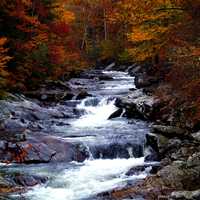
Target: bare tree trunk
point(84, 38)
point(105, 25)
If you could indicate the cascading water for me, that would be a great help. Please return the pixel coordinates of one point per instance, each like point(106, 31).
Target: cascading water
point(115, 146)
point(88, 179)
point(95, 114)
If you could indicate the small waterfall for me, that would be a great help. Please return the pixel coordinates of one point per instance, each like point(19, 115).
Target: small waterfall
point(97, 113)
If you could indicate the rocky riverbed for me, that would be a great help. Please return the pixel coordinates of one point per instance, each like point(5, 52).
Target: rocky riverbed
point(95, 137)
point(72, 140)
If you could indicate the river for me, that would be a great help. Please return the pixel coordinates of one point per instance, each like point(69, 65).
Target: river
point(114, 145)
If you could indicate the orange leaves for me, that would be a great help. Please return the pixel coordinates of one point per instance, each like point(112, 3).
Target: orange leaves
point(4, 58)
point(57, 54)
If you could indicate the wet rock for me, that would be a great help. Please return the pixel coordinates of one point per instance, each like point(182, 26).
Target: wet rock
point(82, 95)
point(66, 151)
point(164, 147)
point(105, 78)
point(152, 141)
point(37, 153)
point(116, 114)
point(27, 180)
point(136, 170)
point(117, 150)
point(185, 195)
point(139, 169)
point(169, 131)
point(138, 105)
point(151, 155)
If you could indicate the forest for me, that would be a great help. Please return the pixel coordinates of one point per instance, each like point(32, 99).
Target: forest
point(99, 99)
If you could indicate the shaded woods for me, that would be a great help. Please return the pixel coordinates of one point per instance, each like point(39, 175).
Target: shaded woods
point(44, 39)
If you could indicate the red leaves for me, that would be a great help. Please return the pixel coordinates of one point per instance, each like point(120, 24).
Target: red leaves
point(60, 28)
point(56, 54)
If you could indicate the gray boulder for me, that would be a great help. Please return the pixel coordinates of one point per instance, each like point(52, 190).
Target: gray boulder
point(169, 131)
point(185, 195)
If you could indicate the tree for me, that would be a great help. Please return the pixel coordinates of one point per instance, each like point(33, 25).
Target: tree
point(4, 59)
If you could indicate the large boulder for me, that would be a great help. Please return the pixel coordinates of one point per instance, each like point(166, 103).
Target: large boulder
point(42, 149)
point(138, 105)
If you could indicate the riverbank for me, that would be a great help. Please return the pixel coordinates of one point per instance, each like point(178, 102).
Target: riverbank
point(177, 147)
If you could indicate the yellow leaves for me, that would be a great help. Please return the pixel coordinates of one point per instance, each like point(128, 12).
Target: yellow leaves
point(68, 16)
point(140, 34)
point(62, 13)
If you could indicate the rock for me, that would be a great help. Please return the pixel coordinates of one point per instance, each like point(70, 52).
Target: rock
point(138, 105)
point(185, 195)
point(50, 95)
point(28, 180)
point(12, 131)
point(82, 95)
point(116, 114)
point(115, 150)
point(169, 131)
point(66, 151)
point(142, 81)
point(135, 70)
point(4, 112)
point(194, 160)
point(43, 149)
point(105, 78)
point(152, 141)
point(196, 136)
point(164, 147)
point(139, 169)
point(151, 155)
point(37, 153)
point(178, 176)
point(135, 170)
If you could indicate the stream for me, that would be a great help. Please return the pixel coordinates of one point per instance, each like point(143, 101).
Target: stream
point(114, 145)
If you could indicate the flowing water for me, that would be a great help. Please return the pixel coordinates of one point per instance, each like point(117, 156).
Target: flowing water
point(115, 145)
